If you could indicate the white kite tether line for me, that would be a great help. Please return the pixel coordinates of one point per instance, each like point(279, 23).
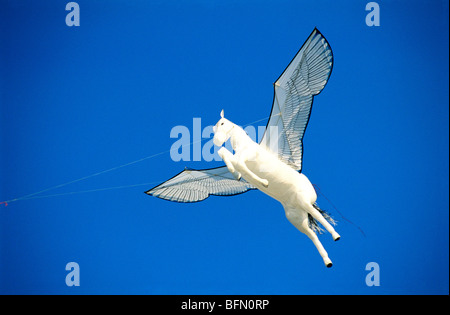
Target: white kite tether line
point(37, 195)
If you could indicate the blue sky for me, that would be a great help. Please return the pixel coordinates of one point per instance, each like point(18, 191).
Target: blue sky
point(76, 101)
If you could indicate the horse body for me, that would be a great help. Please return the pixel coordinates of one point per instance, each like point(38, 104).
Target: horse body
point(264, 170)
point(277, 172)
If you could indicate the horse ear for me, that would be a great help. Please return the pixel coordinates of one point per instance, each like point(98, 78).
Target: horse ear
point(222, 114)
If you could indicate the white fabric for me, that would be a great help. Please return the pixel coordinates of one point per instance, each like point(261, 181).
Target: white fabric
point(197, 185)
point(273, 171)
point(306, 76)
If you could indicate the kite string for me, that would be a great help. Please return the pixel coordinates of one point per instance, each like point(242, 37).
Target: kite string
point(33, 195)
point(107, 188)
point(340, 213)
point(82, 178)
point(88, 191)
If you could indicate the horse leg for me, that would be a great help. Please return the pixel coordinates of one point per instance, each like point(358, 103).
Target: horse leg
point(238, 167)
point(246, 171)
point(230, 162)
point(319, 217)
point(249, 155)
point(299, 219)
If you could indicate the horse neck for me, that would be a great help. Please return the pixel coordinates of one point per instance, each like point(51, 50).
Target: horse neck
point(238, 137)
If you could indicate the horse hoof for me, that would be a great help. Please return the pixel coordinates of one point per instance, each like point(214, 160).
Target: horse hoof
point(329, 265)
point(336, 237)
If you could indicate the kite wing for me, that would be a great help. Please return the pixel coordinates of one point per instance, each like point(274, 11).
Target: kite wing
point(306, 76)
point(197, 185)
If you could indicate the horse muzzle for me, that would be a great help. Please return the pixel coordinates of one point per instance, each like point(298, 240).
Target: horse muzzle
point(219, 138)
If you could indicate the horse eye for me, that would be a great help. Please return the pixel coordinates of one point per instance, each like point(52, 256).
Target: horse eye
point(221, 124)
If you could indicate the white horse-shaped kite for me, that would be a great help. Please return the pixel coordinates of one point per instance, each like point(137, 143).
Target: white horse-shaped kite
point(276, 172)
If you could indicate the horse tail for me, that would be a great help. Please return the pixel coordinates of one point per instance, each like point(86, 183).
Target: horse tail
point(314, 225)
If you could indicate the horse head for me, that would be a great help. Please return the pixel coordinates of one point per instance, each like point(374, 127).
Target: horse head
point(222, 130)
